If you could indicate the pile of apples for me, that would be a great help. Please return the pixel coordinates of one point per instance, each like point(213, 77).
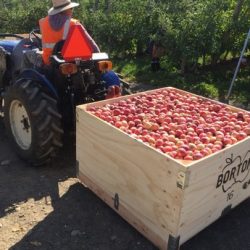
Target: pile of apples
point(177, 123)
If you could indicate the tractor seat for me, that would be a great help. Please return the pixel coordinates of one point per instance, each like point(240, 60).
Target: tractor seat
point(24, 55)
point(33, 58)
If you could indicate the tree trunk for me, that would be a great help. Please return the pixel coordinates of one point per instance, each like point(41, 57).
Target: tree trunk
point(214, 59)
point(96, 5)
point(235, 17)
point(183, 66)
point(237, 10)
point(193, 67)
point(139, 49)
point(203, 60)
point(108, 5)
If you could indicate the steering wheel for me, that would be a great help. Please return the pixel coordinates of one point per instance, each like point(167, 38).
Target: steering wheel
point(37, 41)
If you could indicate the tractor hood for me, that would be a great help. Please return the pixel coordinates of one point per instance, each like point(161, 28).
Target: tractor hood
point(9, 45)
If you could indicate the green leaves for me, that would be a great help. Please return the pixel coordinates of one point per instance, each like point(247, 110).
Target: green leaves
point(189, 30)
point(22, 16)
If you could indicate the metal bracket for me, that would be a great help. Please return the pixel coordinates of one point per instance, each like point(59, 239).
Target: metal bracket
point(246, 184)
point(77, 116)
point(173, 242)
point(226, 210)
point(116, 201)
point(182, 180)
point(77, 168)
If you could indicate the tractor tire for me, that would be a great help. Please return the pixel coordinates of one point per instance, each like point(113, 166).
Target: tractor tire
point(32, 122)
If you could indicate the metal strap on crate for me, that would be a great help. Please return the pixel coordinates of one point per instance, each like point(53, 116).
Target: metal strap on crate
point(226, 210)
point(173, 243)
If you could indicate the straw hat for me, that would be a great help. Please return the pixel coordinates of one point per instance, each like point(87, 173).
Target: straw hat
point(61, 5)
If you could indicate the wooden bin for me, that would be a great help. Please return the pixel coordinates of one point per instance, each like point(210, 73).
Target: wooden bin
point(167, 200)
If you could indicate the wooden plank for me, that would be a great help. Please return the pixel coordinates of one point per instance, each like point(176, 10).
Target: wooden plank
point(125, 213)
point(144, 179)
point(207, 195)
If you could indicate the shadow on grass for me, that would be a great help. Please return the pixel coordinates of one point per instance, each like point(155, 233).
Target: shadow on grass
point(212, 81)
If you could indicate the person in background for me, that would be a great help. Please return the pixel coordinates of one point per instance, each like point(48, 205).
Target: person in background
point(56, 25)
point(156, 51)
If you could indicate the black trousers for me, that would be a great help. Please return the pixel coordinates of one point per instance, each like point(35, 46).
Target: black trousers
point(155, 64)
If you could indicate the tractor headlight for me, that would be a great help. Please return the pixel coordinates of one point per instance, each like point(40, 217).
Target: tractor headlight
point(68, 68)
point(104, 65)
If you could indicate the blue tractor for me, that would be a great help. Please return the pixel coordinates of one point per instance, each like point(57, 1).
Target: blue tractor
point(38, 102)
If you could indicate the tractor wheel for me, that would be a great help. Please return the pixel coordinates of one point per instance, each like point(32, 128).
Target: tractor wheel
point(32, 122)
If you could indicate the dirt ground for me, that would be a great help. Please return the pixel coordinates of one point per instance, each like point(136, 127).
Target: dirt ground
point(47, 208)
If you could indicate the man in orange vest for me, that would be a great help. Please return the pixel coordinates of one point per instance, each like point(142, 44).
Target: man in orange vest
point(56, 25)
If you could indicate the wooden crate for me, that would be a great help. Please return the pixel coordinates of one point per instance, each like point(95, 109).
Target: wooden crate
point(167, 200)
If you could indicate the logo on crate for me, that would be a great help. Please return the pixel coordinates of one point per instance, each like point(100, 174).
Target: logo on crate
point(236, 171)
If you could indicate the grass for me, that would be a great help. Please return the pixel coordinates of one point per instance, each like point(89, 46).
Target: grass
point(209, 81)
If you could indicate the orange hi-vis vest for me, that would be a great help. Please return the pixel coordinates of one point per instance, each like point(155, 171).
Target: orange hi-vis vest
point(50, 37)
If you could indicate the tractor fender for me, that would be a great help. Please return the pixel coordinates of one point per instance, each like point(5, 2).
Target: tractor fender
point(34, 75)
point(3, 64)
